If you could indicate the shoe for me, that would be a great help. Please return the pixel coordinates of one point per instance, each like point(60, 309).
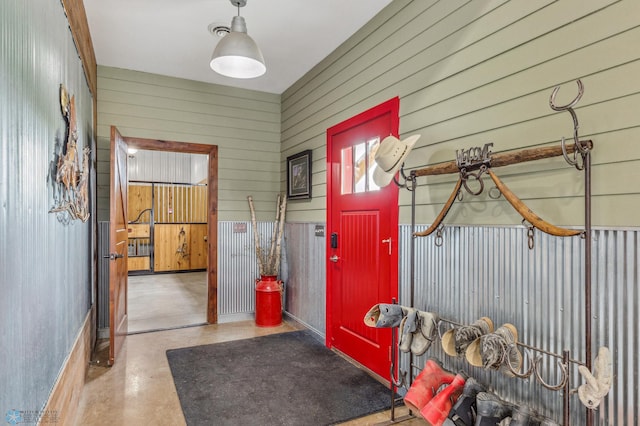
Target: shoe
point(408, 327)
point(456, 340)
point(464, 410)
point(522, 416)
point(435, 412)
point(385, 315)
point(425, 332)
point(491, 409)
point(492, 351)
point(426, 384)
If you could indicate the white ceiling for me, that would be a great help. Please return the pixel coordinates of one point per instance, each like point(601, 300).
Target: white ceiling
point(170, 37)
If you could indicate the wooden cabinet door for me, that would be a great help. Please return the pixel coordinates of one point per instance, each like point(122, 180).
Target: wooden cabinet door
point(171, 247)
point(198, 246)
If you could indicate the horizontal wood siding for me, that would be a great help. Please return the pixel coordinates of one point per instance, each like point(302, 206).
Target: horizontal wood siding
point(475, 72)
point(245, 125)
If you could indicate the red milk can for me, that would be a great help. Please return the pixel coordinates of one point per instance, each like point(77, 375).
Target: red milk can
point(268, 301)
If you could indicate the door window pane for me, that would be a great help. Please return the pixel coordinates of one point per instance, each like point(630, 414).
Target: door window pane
point(357, 165)
point(346, 171)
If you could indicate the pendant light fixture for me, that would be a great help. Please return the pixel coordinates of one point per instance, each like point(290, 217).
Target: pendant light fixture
point(237, 55)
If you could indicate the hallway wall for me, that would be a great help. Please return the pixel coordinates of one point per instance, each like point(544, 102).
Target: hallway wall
point(46, 260)
point(475, 72)
point(244, 124)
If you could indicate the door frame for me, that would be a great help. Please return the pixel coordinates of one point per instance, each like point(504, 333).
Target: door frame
point(212, 206)
point(391, 106)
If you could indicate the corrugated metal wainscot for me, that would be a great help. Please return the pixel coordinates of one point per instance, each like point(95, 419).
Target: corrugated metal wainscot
point(490, 271)
point(305, 274)
point(238, 268)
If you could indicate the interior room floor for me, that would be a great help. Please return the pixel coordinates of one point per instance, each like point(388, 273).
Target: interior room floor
point(163, 301)
point(139, 388)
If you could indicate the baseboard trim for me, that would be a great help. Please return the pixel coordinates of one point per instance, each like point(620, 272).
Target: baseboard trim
point(64, 399)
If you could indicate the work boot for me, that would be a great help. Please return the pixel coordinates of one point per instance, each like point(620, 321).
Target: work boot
point(464, 410)
point(435, 412)
point(426, 384)
point(385, 315)
point(495, 349)
point(408, 327)
point(491, 409)
point(522, 416)
point(425, 332)
point(456, 340)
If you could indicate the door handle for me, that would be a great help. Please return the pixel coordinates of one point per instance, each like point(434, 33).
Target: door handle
point(387, 241)
point(334, 258)
point(114, 256)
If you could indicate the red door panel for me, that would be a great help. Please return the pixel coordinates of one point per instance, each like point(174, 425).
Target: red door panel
point(362, 268)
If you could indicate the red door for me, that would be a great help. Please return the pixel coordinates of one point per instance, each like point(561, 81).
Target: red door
point(362, 243)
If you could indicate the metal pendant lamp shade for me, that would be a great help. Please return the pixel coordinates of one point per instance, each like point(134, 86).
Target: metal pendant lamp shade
point(237, 55)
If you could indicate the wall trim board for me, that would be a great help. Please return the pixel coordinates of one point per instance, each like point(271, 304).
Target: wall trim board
point(64, 399)
point(77, 17)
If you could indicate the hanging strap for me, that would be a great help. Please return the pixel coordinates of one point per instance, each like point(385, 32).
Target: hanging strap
point(443, 213)
point(529, 215)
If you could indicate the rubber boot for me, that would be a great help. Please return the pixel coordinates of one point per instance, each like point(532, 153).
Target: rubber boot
point(491, 409)
point(426, 384)
point(437, 410)
point(463, 411)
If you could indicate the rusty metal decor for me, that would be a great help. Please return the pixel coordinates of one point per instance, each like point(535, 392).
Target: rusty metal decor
point(71, 185)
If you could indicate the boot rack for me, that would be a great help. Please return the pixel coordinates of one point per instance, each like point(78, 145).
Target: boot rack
point(471, 164)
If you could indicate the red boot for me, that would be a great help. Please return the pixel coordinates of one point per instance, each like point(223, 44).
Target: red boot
point(435, 412)
point(426, 385)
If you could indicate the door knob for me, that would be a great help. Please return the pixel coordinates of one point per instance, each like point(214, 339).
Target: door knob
point(334, 258)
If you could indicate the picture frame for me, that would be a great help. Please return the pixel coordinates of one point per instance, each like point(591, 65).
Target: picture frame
point(299, 175)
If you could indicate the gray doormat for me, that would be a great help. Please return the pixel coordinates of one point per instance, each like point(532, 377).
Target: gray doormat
point(280, 379)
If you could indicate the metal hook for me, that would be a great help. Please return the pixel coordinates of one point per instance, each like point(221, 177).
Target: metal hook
point(478, 176)
point(552, 99)
point(563, 380)
point(530, 233)
point(528, 353)
point(409, 182)
point(402, 379)
point(439, 240)
point(579, 147)
point(572, 162)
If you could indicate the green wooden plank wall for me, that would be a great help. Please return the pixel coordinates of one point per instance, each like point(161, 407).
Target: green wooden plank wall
point(473, 72)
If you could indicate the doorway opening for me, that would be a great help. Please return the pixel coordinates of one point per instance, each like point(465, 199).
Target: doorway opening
point(167, 240)
point(208, 179)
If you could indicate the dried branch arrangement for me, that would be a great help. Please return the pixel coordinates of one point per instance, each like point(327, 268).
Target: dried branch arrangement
point(269, 257)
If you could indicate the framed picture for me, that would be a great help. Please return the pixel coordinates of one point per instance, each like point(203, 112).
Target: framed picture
point(299, 175)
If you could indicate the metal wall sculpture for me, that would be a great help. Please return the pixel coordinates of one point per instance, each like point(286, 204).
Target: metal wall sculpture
point(71, 185)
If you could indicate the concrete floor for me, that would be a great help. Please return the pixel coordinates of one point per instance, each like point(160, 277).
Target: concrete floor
point(139, 389)
point(163, 301)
